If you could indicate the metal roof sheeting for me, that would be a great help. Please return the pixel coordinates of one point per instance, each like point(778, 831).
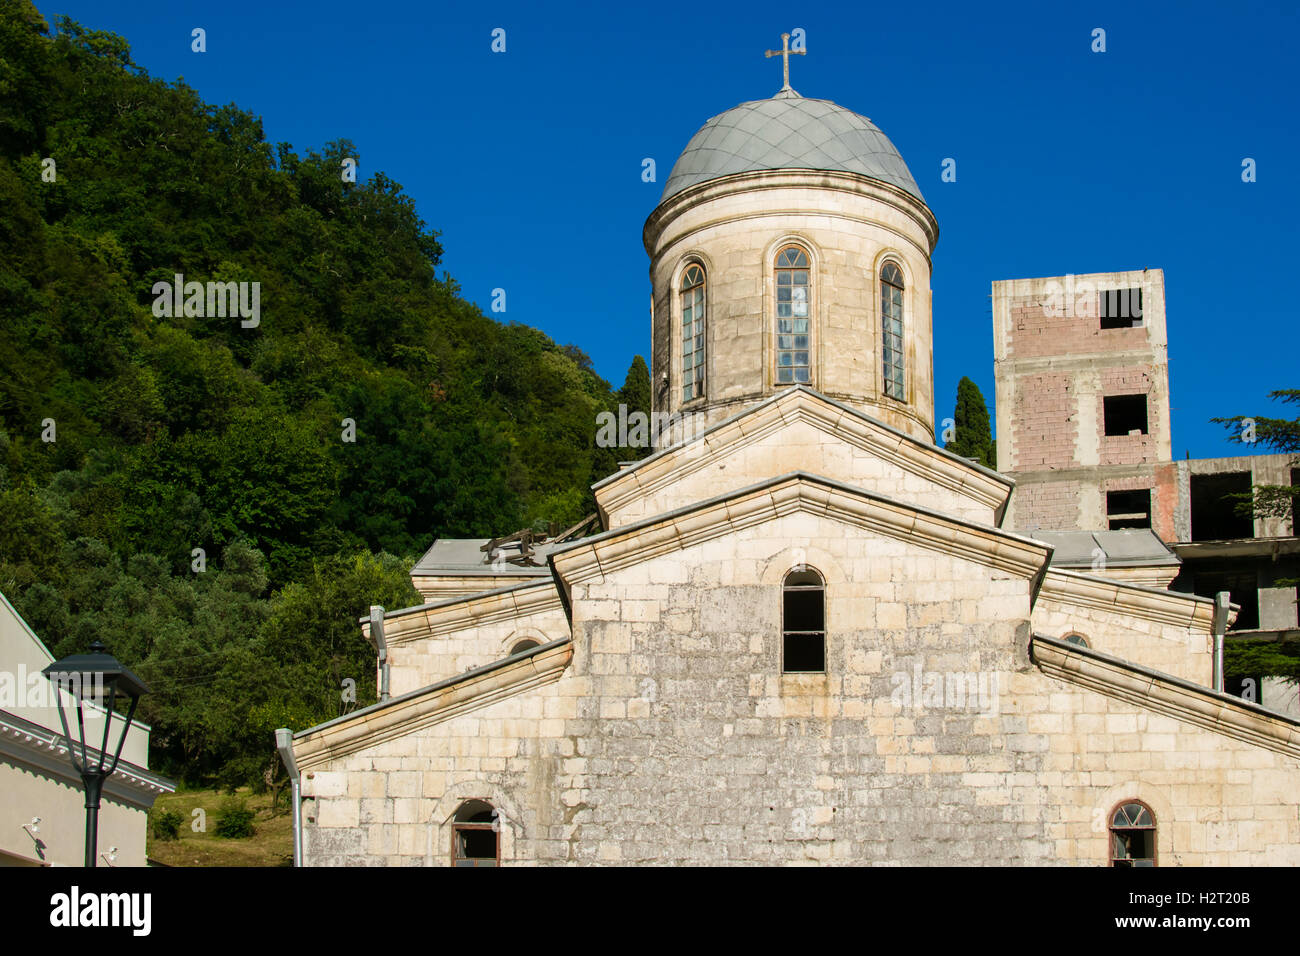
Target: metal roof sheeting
point(789, 132)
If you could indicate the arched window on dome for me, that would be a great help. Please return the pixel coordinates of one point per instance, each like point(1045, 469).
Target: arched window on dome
point(891, 329)
point(793, 311)
point(692, 332)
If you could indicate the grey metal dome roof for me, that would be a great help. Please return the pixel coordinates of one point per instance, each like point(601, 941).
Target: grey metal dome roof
point(788, 132)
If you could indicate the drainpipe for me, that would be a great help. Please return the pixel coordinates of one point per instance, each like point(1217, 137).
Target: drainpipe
point(377, 632)
point(1221, 601)
point(284, 744)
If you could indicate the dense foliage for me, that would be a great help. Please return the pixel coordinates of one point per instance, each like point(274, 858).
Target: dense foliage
point(199, 507)
point(235, 819)
point(165, 824)
point(972, 435)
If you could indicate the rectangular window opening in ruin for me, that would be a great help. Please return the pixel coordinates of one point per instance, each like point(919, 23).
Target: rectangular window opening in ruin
point(1214, 511)
point(1120, 308)
point(1128, 509)
point(1125, 414)
point(1243, 589)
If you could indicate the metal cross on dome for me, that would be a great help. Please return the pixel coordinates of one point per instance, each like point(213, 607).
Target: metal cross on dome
point(784, 54)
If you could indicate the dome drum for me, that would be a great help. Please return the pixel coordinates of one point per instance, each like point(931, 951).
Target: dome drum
point(792, 208)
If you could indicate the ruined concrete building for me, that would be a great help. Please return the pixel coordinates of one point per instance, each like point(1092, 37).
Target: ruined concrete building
point(802, 632)
point(1083, 424)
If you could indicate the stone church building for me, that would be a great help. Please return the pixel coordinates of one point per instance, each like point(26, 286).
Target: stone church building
point(801, 632)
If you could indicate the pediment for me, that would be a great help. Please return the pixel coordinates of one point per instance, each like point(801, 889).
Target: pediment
point(593, 558)
point(801, 430)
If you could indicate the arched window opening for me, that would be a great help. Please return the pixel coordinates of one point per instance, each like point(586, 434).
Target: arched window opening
point(525, 644)
point(1075, 638)
point(803, 622)
point(474, 835)
point(1132, 835)
point(891, 329)
point(692, 332)
point(793, 311)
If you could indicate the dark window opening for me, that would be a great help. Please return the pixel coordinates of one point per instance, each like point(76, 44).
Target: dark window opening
point(474, 835)
point(1128, 509)
point(1214, 514)
point(1120, 308)
point(1125, 414)
point(523, 646)
point(1076, 639)
point(1132, 836)
point(1242, 588)
point(803, 622)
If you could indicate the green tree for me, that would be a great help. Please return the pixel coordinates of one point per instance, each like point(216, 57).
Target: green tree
point(972, 436)
point(1261, 658)
point(181, 432)
point(1282, 435)
point(635, 394)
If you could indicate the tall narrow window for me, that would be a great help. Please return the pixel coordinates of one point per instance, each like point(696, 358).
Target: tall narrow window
point(692, 333)
point(803, 622)
point(1132, 835)
point(792, 314)
point(474, 835)
point(891, 329)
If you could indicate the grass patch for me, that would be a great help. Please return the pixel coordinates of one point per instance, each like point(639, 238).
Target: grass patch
point(270, 845)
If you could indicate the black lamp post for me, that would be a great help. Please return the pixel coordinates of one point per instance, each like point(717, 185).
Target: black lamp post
point(98, 677)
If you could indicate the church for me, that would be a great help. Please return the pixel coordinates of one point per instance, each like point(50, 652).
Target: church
point(800, 631)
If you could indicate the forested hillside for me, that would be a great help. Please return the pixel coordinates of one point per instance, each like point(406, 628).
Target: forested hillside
point(172, 434)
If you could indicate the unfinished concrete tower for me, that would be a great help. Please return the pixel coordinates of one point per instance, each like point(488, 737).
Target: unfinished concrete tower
point(1082, 376)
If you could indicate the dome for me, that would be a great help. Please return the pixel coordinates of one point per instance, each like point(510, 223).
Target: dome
point(789, 132)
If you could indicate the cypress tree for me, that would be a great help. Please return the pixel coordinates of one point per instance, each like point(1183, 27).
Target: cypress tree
point(635, 393)
point(973, 436)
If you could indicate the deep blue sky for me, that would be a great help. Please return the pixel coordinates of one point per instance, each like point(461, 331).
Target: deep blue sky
point(1068, 161)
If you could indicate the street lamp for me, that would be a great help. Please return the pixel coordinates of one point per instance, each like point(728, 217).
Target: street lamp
point(100, 678)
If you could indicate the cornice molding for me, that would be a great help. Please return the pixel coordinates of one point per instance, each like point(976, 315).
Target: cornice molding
point(1136, 600)
point(470, 610)
point(594, 557)
point(431, 705)
point(1168, 695)
point(758, 180)
point(651, 475)
point(25, 742)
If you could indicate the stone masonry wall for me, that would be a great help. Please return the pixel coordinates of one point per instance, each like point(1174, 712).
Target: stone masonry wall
point(675, 738)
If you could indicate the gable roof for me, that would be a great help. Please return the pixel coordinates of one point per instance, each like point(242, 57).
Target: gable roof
point(802, 403)
point(407, 713)
point(592, 557)
point(1110, 594)
point(468, 610)
point(1166, 694)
